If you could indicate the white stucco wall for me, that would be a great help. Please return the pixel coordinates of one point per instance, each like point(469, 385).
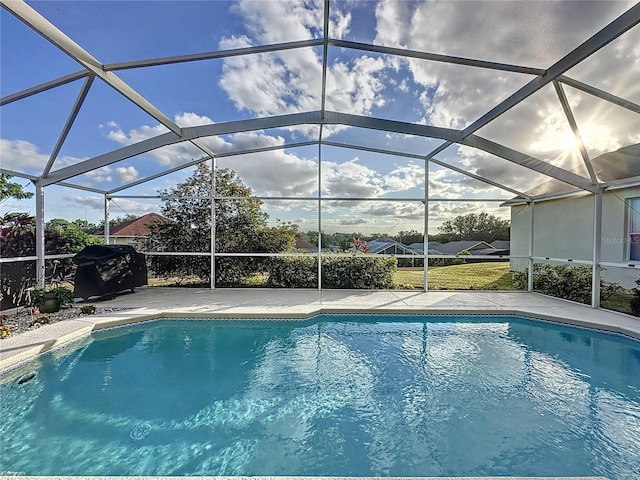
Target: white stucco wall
point(564, 229)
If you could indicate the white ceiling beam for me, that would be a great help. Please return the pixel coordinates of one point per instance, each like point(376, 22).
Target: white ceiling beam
point(620, 25)
point(191, 133)
point(37, 22)
point(621, 102)
point(67, 128)
point(531, 163)
point(325, 55)
point(204, 159)
point(82, 187)
point(13, 173)
point(403, 52)
point(422, 158)
point(188, 134)
point(43, 87)
point(576, 131)
point(196, 57)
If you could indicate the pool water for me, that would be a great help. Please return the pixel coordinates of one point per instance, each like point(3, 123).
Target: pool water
point(355, 395)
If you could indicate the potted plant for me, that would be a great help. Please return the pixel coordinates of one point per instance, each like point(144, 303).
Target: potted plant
point(51, 300)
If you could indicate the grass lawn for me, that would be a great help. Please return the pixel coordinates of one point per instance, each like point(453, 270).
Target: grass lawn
point(479, 276)
point(619, 302)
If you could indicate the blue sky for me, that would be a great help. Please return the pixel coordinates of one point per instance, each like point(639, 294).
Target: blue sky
point(532, 34)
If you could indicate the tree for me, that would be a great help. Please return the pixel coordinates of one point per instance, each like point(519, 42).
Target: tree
point(481, 227)
point(114, 222)
point(241, 227)
point(11, 189)
point(85, 226)
point(72, 233)
point(409, 237)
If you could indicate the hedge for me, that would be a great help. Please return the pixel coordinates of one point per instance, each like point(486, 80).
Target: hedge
point(354, 272)
point(563, 281)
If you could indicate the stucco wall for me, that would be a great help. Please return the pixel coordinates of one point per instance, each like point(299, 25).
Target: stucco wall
point(564, 229)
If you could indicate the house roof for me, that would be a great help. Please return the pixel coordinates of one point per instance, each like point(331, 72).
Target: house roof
point(304, 245)
point(453, 248)
point(137, 227)
point(433, 248)
point(380, 244)
point(501, 244)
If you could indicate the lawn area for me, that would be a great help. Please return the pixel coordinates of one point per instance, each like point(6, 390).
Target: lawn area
point(619, 302)
point(479, 276)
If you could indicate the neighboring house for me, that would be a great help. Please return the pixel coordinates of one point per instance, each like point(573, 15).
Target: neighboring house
point(564, 220)
point(474, 247)
point(503, 245)
point(386, 246)
point(132, 231)
point(433, 248)
point(304, 246)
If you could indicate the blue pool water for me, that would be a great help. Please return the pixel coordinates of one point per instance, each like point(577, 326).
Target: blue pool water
point(337, 395)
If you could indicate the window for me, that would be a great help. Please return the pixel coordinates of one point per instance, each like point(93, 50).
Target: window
point(634, 228)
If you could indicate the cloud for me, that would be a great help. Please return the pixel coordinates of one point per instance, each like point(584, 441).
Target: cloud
point(404, 177)
point(175, 154)
point(127, 174)
point(353, 221)
point(119, 207)
point(24, 156)
point(85, 201)
point(269, 22)
point(290, 81)
point(351, 179)
point(532, 34)
point(99, 175)
point(397, 210)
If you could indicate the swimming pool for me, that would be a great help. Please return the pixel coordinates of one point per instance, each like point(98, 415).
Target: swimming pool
point(338, 395)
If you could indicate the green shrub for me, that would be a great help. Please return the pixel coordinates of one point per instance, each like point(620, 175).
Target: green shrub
point(293, 272)
point(563, 281)
point(358, 272)
point(354, 272)
point(41, 320)
point(635, 301)
point(88, 309)
point(62, 295)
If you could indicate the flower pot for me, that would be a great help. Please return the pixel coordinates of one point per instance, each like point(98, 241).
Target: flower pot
point(49, 303)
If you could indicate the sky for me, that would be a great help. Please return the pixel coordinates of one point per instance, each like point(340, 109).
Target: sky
point(526, 33)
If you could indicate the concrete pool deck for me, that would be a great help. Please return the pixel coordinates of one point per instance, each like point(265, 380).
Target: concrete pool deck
point(168, 302)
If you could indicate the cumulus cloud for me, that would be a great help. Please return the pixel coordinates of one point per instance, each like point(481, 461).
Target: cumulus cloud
point(533, 35)
point(24, 156)
point(127, 174)
point(351, 179)
point(290, 81)
point(131, 207)
point(99, 175)
point(353, 221)
point(171, 155)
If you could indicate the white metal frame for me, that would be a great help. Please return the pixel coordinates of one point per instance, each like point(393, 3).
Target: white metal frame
point(92, 69)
